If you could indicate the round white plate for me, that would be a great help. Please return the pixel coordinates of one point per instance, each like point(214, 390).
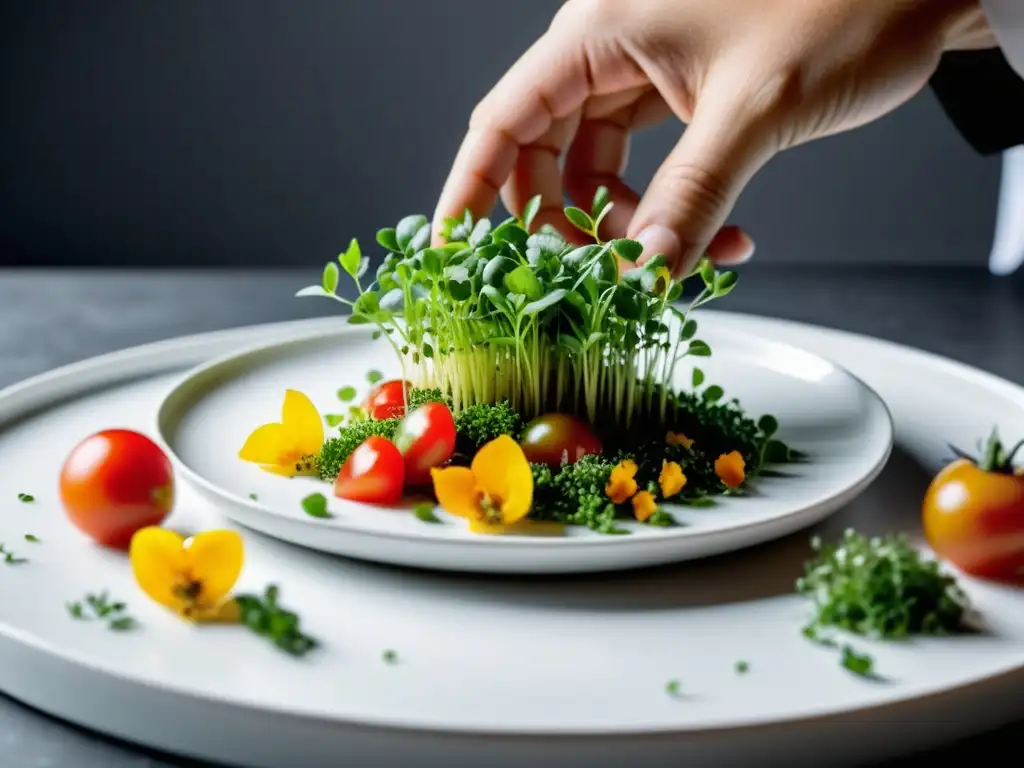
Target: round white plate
point(824, 411)
point(508, 671)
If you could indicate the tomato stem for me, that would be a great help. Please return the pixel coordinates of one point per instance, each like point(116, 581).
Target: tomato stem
point(996, 458)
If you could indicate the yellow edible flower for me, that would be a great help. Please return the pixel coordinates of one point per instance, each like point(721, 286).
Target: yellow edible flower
point(644, 505)
point(622, 482)
point(494, 493)
point(678, 438)
point(672, 480)
point(731, 469)
point(289, 447)
point(192, 576)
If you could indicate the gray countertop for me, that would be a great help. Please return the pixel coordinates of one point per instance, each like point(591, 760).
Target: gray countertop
point(50, 318)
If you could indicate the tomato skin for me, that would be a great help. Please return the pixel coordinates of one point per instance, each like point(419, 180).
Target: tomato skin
point(426, 438)
point(115, 482)
point(387, 400)
point(554, 436)
point(373, 474)
point(975, 520)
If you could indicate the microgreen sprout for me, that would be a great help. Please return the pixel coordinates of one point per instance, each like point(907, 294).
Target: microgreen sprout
point(315, 505)
point(99, 606)
point(503, 313)
point(26, 498)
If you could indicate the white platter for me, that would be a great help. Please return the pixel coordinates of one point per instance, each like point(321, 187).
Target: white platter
point(498, 670)
point(823, 410)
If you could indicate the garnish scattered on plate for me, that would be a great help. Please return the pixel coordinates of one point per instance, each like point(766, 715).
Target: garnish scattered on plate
point(26, 498)
point(10, 558)
point(99, 606)
point(267, 618)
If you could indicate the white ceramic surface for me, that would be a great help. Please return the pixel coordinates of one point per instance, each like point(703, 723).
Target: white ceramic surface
point(823, 410)
point(496, 670)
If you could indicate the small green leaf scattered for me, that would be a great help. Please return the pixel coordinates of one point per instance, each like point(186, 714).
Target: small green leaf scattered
point(254, 497)
point(100, 607)
point(10, 558)
point(31, 538)
point(860, 664)
point(347, 394)
point(742, 667)
point(267, 618)
point(315, 505)
point(390, 656)
point(26, 498)
point(673, 688)
point(425, 512)
point(374, 377)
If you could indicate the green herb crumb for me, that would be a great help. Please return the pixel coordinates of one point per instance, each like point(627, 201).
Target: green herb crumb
point(26, 498)
point(347, 394)
point(267, 618)
point(10, 558)
point(858, 663)
point(673, 688)
point(30, 538)
point(390, 656)
point(254, 497)
point(425, 512)
point(742, 667)
point(315, 505)
point(99, 606)
point(374, 377)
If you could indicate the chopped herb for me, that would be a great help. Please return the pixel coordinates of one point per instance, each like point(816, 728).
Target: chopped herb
point(265, 616)
point(673, 688)
point(858, 663)
point(880, 587)
point(334, 419)
point(31, 538)
point(99, 606)
point(425, 512)
point(26, 498)
point(254, 497)
point(742, 667)
point(315, 505)
point(347, 394)
point(390, 657)
point(374, 377)
point(10, 558)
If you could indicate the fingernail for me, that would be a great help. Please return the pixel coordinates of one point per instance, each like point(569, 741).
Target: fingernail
point(658, 239)
point(748, 248)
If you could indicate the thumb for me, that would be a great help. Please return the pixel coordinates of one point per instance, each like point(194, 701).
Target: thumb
point(697, 185)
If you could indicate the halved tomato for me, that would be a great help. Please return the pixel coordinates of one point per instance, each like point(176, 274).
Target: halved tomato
point(387, 400)
point(426, 438)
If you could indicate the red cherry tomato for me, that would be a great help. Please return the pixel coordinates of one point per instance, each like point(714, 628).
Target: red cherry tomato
point(426, 438)
point(387, 400)
point(373, 474)
point(557, 437)
point(973, 516)
point(114, 483)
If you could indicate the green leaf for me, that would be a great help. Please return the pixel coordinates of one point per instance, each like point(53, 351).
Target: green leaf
point(713, 393)
point(698, 377)
point(432, 259)
point(689, 329)
point(480, 231)
point(530, 211)
point(579, 219)
point(420, 240)
point(579, 257)
point(387, 238)
point(725, 282)
point(374, 377)
point(707, 272)
point(768, 425)
point(352, 259)
point(600, 202)
point(545, 302)
point(570, 343)
point(315, 505)
point(329, 280)
point(333, 420)
point(699, 348)
point(777, 452)
point(627, 250)
point(425, 513)
point(427, 351)
point(407, 229)
point(496, 298)
point(510, 232)
point(522, 280)
point(312, 290)
point(347, 394)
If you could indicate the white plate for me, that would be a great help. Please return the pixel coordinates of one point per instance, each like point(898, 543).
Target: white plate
point(566, 672)
point(823, 410)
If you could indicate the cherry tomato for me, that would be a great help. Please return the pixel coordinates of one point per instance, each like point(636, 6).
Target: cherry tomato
point(114, 483)
point(387, 400)
point(973, 516)
point(557, 437)
point(373, 474)
point(426, 438)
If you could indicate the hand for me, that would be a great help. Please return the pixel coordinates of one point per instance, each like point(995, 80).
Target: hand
point(749, 78)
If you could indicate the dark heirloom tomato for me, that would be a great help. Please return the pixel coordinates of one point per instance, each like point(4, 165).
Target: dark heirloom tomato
point(426, 438)
point(556, 438)
point(387, 400)
point(115, 482)
point(373, 474)
point(973, 515)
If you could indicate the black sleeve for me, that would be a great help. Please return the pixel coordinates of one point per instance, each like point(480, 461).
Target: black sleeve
point(984, 97)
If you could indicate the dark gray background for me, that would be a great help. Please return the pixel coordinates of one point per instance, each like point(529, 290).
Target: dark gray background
point(268, 132)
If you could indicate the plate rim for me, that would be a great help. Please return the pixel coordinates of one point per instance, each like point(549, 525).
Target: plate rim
point(502, 542)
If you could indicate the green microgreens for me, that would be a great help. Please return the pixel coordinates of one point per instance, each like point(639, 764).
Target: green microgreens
point(10, 558)
point(879, 587)
point(265, 616)
point(26, 498)
point(99, 606)
point(425, 512)
point(315, 505)
point(500, 313)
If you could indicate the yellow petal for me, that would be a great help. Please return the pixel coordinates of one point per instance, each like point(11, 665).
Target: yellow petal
point(500, 469)
point(731, 469)
point(304, 429)
point(158, 563)
point(522, 528)
point(672, 480)
point(214, 559)
point(455, 489)
point(264, 445)
point(644, 506)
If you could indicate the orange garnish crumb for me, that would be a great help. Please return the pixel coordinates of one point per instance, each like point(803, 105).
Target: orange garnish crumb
point(644, 505)
point(622, 482)
point(672, 480)
point(678, 438)
point(731, 469)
